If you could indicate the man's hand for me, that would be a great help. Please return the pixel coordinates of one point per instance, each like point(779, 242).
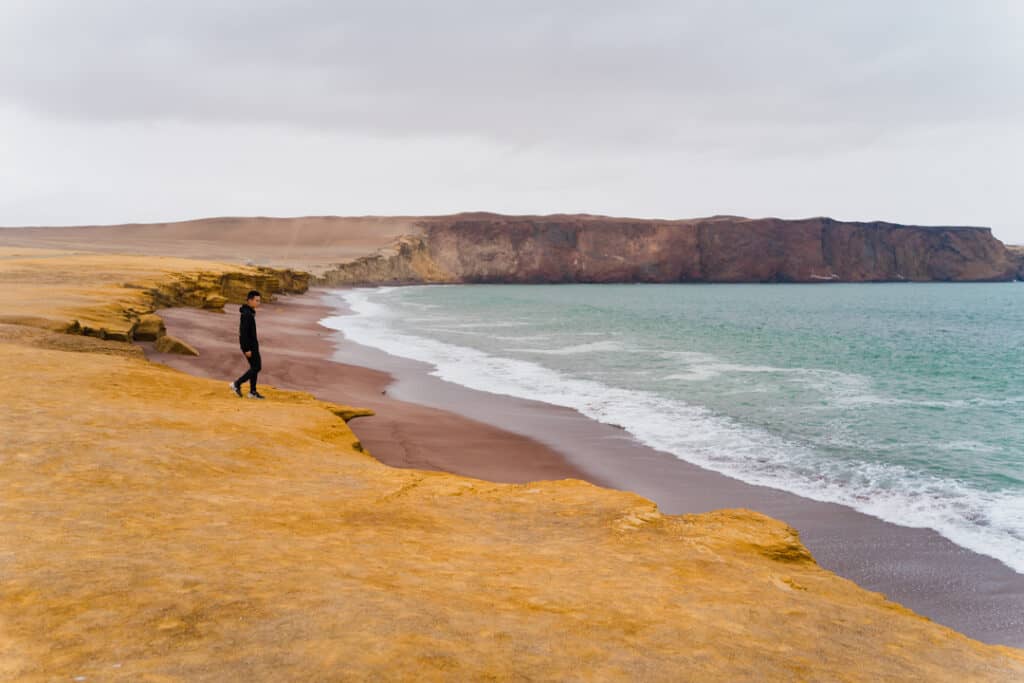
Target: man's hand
point(248, 354)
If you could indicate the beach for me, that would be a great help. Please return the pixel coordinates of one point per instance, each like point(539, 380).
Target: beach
point(297, 354)
point(420, 419)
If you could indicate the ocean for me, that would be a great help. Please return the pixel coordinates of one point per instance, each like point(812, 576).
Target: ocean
point(904, 401)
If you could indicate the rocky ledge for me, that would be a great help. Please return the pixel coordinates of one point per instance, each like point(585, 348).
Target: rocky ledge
point(47, 290)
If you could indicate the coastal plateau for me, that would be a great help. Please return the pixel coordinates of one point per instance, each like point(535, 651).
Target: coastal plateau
point(154, 527)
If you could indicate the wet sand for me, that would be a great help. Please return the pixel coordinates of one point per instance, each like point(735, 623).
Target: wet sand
point(296, 352)
point(425, 423)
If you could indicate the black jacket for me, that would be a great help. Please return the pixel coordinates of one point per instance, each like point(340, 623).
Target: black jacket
point(247, 329)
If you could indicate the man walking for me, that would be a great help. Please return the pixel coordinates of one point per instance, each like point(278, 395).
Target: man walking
point(249, 343)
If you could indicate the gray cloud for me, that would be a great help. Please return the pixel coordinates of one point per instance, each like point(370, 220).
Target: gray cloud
point(523, 70)
point(748, 82)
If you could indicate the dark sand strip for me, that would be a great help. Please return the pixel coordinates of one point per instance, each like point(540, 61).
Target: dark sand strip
point(426, 423)
point(296, 354)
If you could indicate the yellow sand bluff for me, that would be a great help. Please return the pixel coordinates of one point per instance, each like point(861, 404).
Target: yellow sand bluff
point(153, 527)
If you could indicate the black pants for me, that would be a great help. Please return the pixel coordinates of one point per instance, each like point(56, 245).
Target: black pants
point(255, 365)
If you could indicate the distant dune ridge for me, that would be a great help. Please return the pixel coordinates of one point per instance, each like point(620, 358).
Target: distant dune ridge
point(312, 242)
point(486, 247)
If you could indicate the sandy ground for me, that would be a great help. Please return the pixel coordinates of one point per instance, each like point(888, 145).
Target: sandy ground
point(154, 527)
point(309, 243)
point(425, 423)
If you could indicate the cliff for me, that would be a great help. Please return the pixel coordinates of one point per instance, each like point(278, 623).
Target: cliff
point(552, 249)
point(1016, 253)
point(154, 527)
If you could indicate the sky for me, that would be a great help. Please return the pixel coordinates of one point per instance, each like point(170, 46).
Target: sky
point(118, 111)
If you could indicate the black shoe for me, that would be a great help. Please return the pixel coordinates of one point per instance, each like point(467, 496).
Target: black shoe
point(256, 394)
point(235, 390)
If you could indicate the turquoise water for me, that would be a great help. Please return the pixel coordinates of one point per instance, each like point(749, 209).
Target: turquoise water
point(905, 401)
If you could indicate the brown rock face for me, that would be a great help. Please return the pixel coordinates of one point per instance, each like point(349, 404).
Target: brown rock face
point(542, 250)
point(150, 328)
point(552, 249)
point(1016, 252)
point(169, 344)
point(214, 302)
point(883, 251)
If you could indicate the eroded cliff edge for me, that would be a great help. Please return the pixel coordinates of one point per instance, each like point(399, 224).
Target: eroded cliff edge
point(554, 249)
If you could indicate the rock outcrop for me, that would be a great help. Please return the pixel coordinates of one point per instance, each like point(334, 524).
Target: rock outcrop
point(149, 328)
point(554, 249)
point(169, 344)
point(1016, 252)
point(44, 283)
point(213, 288)
point(407, 260)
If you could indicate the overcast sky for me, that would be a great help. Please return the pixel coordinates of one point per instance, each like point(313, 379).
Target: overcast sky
point(132, 110)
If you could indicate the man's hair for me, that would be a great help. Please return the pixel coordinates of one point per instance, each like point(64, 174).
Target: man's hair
point(251, 295)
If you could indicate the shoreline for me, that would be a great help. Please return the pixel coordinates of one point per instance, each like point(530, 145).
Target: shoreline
point(297, 353)
point(502, 438)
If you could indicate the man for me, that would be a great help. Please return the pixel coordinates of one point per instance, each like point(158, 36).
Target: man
point(249, 343)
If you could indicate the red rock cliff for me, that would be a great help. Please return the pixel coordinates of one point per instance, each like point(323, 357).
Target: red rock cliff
point(494, 248)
